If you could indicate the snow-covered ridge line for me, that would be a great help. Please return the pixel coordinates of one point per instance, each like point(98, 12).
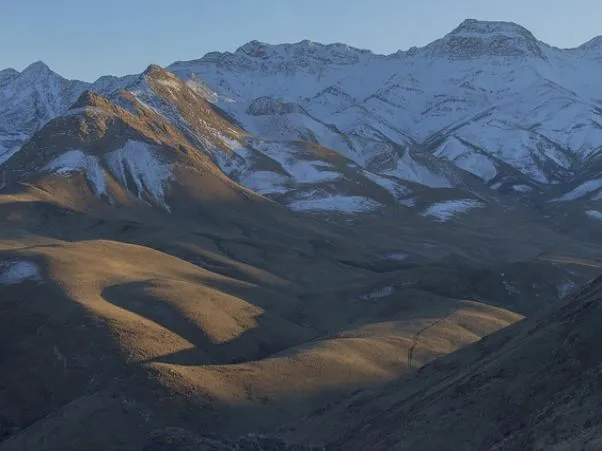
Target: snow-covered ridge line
point(468, 27)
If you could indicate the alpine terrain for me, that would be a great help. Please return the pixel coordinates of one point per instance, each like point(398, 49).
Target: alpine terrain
point(285, 247)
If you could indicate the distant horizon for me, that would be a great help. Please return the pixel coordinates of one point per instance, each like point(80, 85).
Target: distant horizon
point(76, 47)
point(325, 44)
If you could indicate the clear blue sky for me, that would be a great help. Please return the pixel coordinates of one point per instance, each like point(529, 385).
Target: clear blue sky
point(87, 38)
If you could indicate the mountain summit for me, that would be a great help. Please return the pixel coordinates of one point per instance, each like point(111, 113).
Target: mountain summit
point(483, 27)
point(481, 39)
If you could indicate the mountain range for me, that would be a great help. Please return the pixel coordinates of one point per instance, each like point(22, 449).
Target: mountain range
point(272, 240)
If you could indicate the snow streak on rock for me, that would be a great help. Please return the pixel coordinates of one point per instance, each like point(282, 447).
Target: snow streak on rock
point(446, 210)
point(76, 160)
point(335, 203)
point(138, 162)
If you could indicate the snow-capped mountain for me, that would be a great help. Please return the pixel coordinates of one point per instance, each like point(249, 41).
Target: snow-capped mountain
point(474, 39)
point(486, 96)
point(486, 109)
point(28, 100)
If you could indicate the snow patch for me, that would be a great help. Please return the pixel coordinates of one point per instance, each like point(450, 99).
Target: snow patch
point(522, 188)
point(397, 190)
point(264, 182)
point(18, 271)
point(594, 214)
point(311, 171)
point(398, 256)
point(566, 288)
point(76, 160)
point(335, 203)
point(511, 288)
point(468, 159)
point(478, 165)
point(301, 170)
point(379, 293)
point(407, 168)
point(230, 143)
point(580, 191)
point(408, 202)
point(141, 163)
point(174, 84)
point(447, 209)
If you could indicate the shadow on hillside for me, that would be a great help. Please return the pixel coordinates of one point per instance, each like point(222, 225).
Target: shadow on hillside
point(208, 239)
point(267, 337)
point(52, 351)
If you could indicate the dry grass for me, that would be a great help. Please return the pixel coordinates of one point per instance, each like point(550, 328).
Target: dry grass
point(193, 346)
point(530, 386)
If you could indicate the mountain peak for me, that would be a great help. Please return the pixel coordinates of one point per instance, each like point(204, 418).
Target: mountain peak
point(90, 99)
point(253, 48)
point(9, 72)
point(259, 48)
point(485, 27)
point(592, 44)
point(474, 38)
point(303, 53)
point(157, 73)
point(38, 67)
point(154, 69)
point(6, 75)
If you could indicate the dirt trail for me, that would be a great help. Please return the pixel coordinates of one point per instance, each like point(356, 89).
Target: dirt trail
point(424, 329)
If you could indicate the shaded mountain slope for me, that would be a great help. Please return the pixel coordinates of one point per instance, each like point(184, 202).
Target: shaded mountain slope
point(28, 100)
point(533, 385)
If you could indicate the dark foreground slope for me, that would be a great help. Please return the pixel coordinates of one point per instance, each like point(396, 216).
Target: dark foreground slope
point(534, 385)
point(175, 439)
